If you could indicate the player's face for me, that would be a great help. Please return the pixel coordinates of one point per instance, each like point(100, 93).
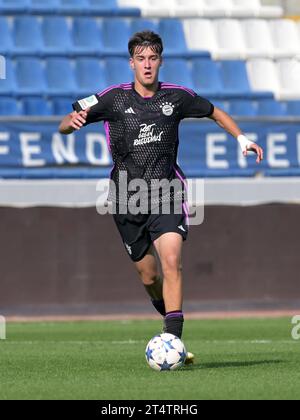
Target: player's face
point(146, 64)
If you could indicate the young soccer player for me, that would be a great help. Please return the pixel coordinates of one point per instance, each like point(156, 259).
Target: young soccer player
point(141, 120)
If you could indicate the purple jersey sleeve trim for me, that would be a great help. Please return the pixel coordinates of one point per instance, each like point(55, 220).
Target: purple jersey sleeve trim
point(124, 86)
point(107, 132)
point(173, 86)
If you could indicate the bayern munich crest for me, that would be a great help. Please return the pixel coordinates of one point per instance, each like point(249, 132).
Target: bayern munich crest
point(167, 108)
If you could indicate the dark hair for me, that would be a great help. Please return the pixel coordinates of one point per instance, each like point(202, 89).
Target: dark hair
point(145, 39)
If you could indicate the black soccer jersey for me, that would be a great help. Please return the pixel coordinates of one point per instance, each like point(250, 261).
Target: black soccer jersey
point(142, 133)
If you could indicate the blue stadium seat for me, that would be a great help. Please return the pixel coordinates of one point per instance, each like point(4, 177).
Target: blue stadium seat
point(37, 106)
point(139, 25)
point(10, 107)
point(116, 44)
point(235, 78)
point(111, 8)
point(44, 7)
point(8, 86)
point(223, 105)
point(90, 76)
point(117, 71)
point(236, 82)
point(293, 108)
point(57, 36)
point(102, 7)
point(28, 38)
point(207, 78)
point(171, 31)
point(243, 108)
point(14, 6)
point(60, 77)
point(30, 77)
point(271, 108)
point(175, 70)
point(87, 37)
point(62, 106)
point(6, 40)
point(73, 6)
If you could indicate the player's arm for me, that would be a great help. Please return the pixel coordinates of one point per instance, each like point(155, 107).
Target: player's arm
point(227, 123)
point(89, 110)
point(73, 121)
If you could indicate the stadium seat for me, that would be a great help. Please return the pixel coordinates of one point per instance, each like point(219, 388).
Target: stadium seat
point(293, 108)
point(188, 8)
point(27, 34)
point(289, 77)
point(57, 36)
point(230, 38)
point(6, 40)
point(14, 6)
point(30, 77)
point(62, 106)
point(116, 45)
point(117, 71)
point(87, 37)
point(139, 25)
point(90, 76)
point(44, 7)
point(217, 8)
point(207, 78)
point(177, 71)
point(37, 106)
point(271, 108)
point(73, 6)
point(263, 75)
point(60, 77)
point(200, 35)
point(254, 8)
point(109, 8)
point(258, 38)
point(235, 78)
point(171, 31)
point(243, 108)
point(10, 106)
point(286, 37)
point(157, 8)
point(8, 86)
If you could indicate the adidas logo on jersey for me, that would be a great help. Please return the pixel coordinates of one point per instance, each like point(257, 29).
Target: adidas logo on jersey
point(181, 228)
point(129, 111)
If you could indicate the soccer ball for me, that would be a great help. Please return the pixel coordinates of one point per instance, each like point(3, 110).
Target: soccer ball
point(165, 352)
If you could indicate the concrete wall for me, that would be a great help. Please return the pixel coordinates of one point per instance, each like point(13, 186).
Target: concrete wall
point(65, 257)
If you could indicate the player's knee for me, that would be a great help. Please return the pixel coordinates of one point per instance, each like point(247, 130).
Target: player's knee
point(148, 278)
point(172, 263)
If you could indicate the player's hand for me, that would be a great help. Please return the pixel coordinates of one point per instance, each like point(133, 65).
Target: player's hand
point(78, 119)
point(256, 149)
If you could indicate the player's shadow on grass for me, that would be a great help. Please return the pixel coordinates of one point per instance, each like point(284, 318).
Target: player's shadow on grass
point(225, 365)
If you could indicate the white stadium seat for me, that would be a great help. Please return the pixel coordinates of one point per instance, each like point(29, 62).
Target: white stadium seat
point(188, 8)
point(258, 38)
point(230, 38)
point(217, 8)
point(289, 76)
point(254, 8)
point(158, 8)
point(263, 75)
point(200, 34)
point(286, 37)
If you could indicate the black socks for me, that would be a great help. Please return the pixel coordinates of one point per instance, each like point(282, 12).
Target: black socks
point(174, 323)
point(159, 305)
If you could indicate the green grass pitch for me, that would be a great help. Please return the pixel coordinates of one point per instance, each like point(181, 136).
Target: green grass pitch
point(236, 359)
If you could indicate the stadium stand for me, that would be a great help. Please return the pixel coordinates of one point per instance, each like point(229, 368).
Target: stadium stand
point(237, 52)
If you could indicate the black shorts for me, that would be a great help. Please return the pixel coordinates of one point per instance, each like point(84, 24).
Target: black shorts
point(139, 231)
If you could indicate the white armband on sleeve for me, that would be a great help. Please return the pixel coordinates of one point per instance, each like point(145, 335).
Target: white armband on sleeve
point(244, 142)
